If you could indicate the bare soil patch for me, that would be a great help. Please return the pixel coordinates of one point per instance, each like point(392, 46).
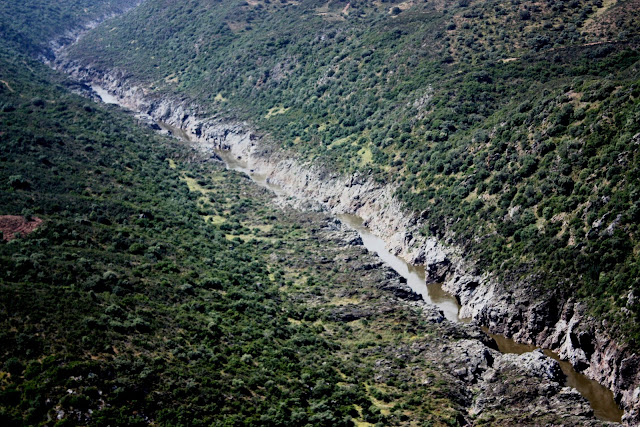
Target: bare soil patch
point(11, 225)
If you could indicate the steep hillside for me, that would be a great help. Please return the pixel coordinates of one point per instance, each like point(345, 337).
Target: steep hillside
point(149, 291)
point(148, 284)
point(32, 27)
point(511, 129)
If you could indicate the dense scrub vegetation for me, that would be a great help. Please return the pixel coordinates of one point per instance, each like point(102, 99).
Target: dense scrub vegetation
point(161, 288)
point(30, 27)
point(512, 128)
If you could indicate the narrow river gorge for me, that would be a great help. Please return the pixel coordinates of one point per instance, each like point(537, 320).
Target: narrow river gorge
point(600, 398)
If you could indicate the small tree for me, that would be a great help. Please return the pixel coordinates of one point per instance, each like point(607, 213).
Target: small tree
point(18, 182)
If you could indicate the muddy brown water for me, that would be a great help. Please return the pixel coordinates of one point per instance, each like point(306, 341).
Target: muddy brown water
point(238, 165)
point(415, 275)
point(600, 398)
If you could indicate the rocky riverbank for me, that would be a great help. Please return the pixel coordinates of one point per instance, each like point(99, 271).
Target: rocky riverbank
point(513, 309)
point(501, 389)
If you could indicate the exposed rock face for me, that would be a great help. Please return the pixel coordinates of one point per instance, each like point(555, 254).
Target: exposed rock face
point(504, 389)
point(469, 359)
point(514, 382)
point(514, 311)
point(534, 363)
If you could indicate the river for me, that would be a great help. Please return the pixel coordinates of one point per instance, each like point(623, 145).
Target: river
point(600, 398)
point(414, 275)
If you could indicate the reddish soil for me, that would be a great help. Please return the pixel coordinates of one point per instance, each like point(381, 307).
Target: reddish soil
point(10, 225)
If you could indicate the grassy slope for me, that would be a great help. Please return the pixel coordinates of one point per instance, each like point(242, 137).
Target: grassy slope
point(511, 128)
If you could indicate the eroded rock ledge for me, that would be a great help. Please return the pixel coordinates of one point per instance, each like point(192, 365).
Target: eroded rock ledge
point(515, 310)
